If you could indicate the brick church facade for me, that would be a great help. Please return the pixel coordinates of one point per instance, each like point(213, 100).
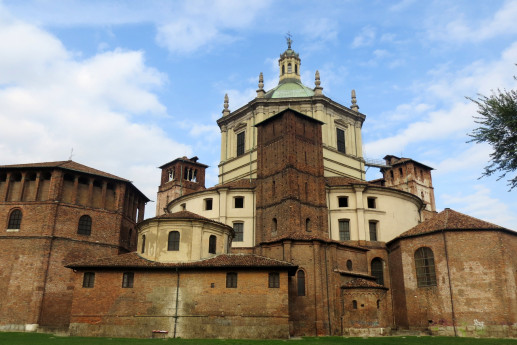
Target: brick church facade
point(292, 241)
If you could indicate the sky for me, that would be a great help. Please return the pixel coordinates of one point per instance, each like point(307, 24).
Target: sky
point(126, 86)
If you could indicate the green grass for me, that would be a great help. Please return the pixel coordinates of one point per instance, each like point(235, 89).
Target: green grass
point(46, 339)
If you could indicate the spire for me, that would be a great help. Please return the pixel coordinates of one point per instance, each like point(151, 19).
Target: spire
point(289, 62)
point(354, 106)
point(318, 89)
point(260, 90)
point(226, 111)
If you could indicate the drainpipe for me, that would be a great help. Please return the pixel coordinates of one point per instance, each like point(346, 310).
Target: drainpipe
point(177, 294)
point(450, 285)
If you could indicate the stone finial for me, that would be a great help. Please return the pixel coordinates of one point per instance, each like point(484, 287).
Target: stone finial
point(318, 89)
point(354, 106)
point(226, 111)
point(260, 90)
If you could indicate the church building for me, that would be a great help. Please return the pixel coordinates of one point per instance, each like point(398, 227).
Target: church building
point(292, 241)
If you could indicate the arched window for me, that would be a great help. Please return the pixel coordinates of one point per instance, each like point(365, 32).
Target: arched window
point(275, 225)
point(296, 69)
point(143, 244)
point(354, 304)
point(15, 219)
point(274, 280)
point(300, 276)
point(308, 224)
point(85, 225)
point(378, 271)
point(349, 265)
point(174, 241)
point(283, 69)
point(212, 244)
point(424, 264)
point(289, 68)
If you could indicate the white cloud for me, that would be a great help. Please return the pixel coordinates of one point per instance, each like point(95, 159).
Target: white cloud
point(458, 30)
point(365, 37)
point(473, 158)
point(481, 204)
point(52, 102)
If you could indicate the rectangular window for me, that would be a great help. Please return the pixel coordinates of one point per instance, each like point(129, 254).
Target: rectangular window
point(239, 232)
point(231, 280)
point(371, 203)
point(340, 140)
point(127, 279)
point(239, 202)
point(208, 204)
point(274, 280)
point(373, 230)
point(88, 279)
point(342, 201)
point(344, 230)
point(240, 143)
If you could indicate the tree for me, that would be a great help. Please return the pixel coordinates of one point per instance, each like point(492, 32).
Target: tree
point(498, 127)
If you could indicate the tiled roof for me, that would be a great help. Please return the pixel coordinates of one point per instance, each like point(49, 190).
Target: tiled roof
point(306, 237)
point(355, 274)
point(186, 215)
point(360, 283)
point(396, 161)
point(449, 220)
point(134, 260)
point(242, 183)
point(340, 181)
point(69, 165)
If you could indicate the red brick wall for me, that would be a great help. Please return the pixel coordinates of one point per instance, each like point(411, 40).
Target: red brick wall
point(252, 310)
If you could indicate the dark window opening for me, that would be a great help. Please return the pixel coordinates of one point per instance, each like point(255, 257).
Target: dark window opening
point(231, 280)
point(240, 143)
point(400, 172)
point(283, 69)
point(344, 230)
point(173, 243)
point(183, 207)
point(296, 69)
point(340, 140)
point(275, 225)
point(212, 244)
point(349, 265)
point(238, 228)
point(239, 202)
point(274, 280)
point(15, 220)
point(342, 201)
point(85, 225)
point(273, 187)
point(371, 202)
point(88, 279)
point(301, 283)
point(127, 279)
point(378, 271)
point(391, 174)
point(354, 304)
point(308, 225)
point(143, 244)
point(208, 204)
point(425, 270)
point(373, 230)
point(378, 304)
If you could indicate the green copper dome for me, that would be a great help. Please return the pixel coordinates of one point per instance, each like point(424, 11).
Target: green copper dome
point(289, 88)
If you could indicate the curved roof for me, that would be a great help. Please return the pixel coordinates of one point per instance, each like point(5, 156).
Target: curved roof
point(289, 88)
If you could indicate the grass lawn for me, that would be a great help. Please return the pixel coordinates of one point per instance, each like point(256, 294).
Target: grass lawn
point(44, 339)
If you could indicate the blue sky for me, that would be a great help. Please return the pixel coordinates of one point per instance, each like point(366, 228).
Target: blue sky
point(130, 85)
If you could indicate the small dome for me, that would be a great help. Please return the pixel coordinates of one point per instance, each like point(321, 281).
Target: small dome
point(289, 88)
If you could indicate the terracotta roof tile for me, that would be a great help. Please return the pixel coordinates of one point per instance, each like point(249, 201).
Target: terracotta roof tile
point(134, 260)
point(449, 220)
point(69, 165)
point(360, 283)
point(355, 274)
point(186, 215)
point(306, 237)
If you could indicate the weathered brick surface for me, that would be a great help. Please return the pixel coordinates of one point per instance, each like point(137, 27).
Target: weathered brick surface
point(252, 310)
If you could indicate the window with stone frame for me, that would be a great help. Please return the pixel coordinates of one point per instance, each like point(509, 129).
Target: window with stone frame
point(342, 201)
point(128, 279)
point(425, 269)
point(371, 202)
point(238, 202)
point(173, 243)
point(372, 224)
point(241, 143)
point(88, 279)
point(231, 280)
point(208, 204)
point(15, 220)
point(85, 225)
point(340, 134)
point(344, 229)
point(238, 228)
point(274, 280)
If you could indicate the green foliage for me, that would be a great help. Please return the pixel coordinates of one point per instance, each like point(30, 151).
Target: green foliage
point(48, 339)
point(498, 127)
